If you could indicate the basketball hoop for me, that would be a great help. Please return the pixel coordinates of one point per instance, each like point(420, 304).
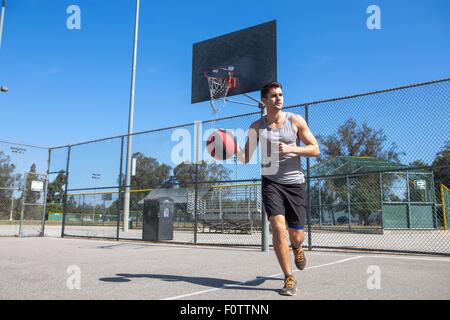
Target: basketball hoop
point(220, 81)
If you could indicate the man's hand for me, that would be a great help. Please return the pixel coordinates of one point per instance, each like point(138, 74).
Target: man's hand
point(285, 149)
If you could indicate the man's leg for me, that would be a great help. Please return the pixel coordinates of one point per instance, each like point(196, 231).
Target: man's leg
point(280, 243)
point(281, 247)
point(297, 237)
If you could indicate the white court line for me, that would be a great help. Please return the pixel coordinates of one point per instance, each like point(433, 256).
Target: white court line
point(431, 259)
point(256, 279)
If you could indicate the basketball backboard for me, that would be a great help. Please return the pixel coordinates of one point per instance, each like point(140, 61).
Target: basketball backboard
point(251, 53)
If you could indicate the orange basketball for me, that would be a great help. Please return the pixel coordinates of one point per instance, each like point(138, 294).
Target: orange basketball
point(221, 144)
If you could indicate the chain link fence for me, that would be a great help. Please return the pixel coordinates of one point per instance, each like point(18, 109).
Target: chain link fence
point(33, 205)
point(8, 203)
point(23, 183)
point(380, 183)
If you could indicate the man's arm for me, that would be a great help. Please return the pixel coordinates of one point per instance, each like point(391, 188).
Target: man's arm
point(311, 148)
point(245, 155)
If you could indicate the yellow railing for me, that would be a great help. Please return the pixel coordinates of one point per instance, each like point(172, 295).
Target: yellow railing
point(109, 192)
point(234, 186)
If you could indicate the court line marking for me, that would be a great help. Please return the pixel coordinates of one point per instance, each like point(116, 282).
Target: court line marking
point(430, 259)
point(179, 246)
point(256, 279)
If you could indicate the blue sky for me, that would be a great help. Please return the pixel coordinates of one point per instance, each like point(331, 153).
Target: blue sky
point(68, 86)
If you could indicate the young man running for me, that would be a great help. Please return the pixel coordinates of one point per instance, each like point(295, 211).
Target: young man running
point(283, 183)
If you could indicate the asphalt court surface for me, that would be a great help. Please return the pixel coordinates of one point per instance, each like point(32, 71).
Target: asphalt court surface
point(49, 268)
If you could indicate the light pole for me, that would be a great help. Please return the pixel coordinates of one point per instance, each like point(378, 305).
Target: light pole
point(2, 18)
point(126, 209)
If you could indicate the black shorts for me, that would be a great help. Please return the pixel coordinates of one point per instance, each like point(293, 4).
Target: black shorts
point(287, 200)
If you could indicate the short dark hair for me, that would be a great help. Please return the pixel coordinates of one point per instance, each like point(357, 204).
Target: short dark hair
point(269, 86)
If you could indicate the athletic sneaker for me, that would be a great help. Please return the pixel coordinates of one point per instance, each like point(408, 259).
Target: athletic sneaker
point(300, 258)
point(290, 287)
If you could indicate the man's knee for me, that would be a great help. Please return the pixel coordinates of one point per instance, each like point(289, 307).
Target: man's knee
point(278, 225)
point(296, 236)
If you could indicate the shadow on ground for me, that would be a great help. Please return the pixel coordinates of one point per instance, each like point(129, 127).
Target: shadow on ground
point(208, 282)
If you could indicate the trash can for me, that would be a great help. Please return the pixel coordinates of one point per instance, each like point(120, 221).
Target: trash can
point(158, 219)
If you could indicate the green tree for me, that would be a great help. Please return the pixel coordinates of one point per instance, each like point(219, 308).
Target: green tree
point(32, 196)
point(441, 166)
point(207, 172)
point(418, 164)
point(364, 141)
point(7, 181)
point(149, 172)
point(358, 141)
point(441, 170)
point(56, 188)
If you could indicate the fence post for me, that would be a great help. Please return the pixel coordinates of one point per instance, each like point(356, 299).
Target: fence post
point(120, 189)
point(264, 221)
point(198, 141)
point(12, 198)
point(65, 192)
point(308, 187)
point(195, 203)
point(444, 207)
point(220, 210)
point(24, 200)
point(409, 200)
point(381, 199)
point(348, 203)
point(46, 192)
point(320, 206)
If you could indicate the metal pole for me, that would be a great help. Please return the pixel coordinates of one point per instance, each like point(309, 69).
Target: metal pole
point(381, 200)
point(46, 192)
point(2, 18)
point(444, 209)
point(220, 210)
point(433, 197)
point(14, 189)
point(24, 200)
point(82, 211)
point(409, 201)
point(126, 211)
point(198, 140)
point(348, 203)
point(120, 189)
point(320, 206)
point(12, 198)
point(308, 187)
point(65, 193)
point(195, 203)
point(264, 221)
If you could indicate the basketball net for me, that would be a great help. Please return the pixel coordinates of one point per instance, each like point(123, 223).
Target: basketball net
point(220, 86)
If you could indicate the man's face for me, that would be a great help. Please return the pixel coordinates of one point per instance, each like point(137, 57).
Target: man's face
point(274, 99)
